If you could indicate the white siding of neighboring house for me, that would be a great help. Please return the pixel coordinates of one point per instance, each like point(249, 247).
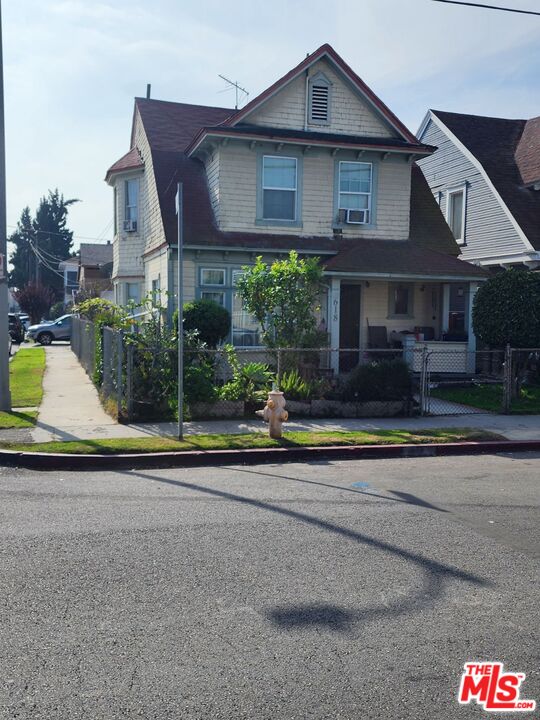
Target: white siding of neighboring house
point(238, 195)
point(350, 114)
point(128, 247)
point(488, 230)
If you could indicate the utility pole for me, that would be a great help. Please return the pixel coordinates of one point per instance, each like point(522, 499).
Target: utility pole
point(180, 218)
point(5, 395)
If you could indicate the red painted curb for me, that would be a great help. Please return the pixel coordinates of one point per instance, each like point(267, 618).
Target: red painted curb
point(201, 458)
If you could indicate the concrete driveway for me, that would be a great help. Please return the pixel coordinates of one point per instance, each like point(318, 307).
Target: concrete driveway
point(332, 590)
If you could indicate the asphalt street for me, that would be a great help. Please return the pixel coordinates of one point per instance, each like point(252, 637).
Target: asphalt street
point(334, 590)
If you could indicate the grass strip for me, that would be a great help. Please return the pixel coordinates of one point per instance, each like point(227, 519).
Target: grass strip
point(490, 397)
point(26, 377)
point(253, 440)
point(17, 420)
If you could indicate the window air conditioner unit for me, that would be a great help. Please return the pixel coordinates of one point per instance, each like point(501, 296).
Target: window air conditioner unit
point(130, 225)
point(356, 217)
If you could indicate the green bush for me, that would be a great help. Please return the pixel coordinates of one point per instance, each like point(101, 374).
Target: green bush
point(295, 387)
point(251, 382)
point(199, 384)
point(385, 380)
point(104, 311)
point(212, 321)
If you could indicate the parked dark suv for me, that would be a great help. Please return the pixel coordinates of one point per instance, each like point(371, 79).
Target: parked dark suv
point(16, 328)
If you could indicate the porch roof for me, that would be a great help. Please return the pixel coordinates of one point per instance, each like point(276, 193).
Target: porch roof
point(387, 258)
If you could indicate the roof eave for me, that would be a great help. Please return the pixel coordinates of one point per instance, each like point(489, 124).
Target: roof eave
point(205, 134)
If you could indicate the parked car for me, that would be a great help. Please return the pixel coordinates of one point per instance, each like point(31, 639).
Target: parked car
point(46, 332)
point(25, 321)
point(16, 328)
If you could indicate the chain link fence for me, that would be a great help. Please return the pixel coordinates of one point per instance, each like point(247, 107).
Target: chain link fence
point(139, 383)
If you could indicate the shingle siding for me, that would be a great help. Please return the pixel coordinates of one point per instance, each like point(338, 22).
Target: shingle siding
point(349, 114)
point(238, 195)
point(488, 230)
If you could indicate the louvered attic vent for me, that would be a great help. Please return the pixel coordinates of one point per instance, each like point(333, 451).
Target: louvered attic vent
point(319, 103)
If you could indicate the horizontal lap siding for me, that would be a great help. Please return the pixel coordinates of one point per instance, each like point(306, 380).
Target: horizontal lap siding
point(488, 229)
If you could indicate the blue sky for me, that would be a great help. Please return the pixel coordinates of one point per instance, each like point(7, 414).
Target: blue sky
point(72, 68)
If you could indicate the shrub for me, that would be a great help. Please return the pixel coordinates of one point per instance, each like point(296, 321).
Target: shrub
point(251, 382)
point(295, 387)
point(199, 383)
point(212, 321)
point(104, 311)
point(385, 380)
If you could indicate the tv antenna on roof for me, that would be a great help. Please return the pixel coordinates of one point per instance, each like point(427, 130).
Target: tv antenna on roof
point(237, 88)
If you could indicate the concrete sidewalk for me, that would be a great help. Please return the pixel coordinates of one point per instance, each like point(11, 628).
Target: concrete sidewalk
point(71, 410)
point(71, 406)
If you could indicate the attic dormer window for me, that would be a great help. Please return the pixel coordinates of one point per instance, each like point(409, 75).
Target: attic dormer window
point(319, 100)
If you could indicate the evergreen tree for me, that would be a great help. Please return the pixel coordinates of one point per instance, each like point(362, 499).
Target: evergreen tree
point(41, 243)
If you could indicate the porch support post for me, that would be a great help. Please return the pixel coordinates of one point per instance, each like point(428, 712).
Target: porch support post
point(445, 315)
point(471, 364)
point(333, 321)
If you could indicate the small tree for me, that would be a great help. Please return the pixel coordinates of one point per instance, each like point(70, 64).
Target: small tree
point(283, 298)
point(506, 311)
point(212, 321)
point(35, 301)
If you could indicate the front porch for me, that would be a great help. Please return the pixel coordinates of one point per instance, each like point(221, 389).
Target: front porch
point(410, 314)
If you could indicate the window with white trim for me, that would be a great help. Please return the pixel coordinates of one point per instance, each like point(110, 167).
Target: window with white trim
point(133, 292)
point(279, 187)
point(355, 191)
point(132, 200)
point(455, 213)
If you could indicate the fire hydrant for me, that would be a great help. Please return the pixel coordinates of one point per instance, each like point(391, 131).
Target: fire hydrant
point(274, 413)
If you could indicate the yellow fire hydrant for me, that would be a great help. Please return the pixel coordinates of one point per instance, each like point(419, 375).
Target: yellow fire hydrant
point(274, 413)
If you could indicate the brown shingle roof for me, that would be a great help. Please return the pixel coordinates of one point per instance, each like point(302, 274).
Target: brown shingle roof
point(494, 142)
point(395, 257)
point(130, 161)
point(170, 126)
point(528, 152)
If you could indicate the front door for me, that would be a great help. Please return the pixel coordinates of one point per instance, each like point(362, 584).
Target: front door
point(349, 326)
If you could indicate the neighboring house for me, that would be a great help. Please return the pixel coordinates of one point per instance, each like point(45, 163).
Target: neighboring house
point(95, 268)
point(70, 270)
point(485, 175)
point(90, 269)
point(315, 163)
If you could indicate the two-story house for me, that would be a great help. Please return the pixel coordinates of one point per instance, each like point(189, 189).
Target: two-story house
point(315, 163)
point(485, 175)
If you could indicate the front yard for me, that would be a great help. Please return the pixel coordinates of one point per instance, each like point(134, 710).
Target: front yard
point(490, 397)
point(26, 385)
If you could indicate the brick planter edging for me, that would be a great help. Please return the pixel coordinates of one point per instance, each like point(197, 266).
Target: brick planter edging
point(202, 458)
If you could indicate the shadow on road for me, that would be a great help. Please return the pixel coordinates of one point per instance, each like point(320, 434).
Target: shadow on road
point(434, 574)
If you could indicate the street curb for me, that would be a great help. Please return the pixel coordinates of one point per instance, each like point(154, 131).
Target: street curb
point(201, 458)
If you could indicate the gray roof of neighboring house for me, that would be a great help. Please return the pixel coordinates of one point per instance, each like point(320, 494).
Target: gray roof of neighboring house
point(96, 254)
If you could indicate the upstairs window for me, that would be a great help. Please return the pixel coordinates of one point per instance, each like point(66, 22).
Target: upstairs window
point(319, 100)
point(279, 187)
point(355, 188)
point(455, 213)
point(131, 206)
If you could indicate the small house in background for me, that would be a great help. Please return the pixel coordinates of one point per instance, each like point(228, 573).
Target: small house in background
point(485, 176)
point(90, 271)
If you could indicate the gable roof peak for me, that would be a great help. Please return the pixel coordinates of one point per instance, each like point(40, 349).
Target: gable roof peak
point(326, 50)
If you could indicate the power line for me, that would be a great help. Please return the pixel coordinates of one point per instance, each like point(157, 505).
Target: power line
point(488, 7)
point(75, 237)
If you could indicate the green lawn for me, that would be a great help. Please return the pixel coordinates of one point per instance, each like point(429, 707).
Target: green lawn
point(26, 377)
point(253, 440)
point(490, 397)
point(17, 420)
